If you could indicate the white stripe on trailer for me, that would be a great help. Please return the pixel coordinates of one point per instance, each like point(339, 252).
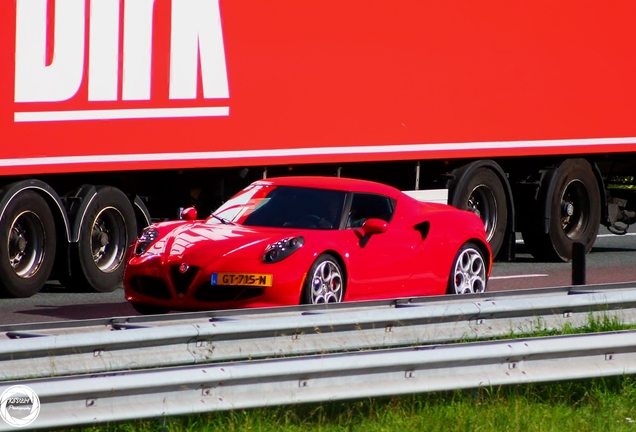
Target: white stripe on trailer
point(121, 114)
point(312, 151)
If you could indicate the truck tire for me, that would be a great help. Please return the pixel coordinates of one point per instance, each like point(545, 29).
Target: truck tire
point(483, 193)
point(27, 243)
point(571, 198)
point(107, 229)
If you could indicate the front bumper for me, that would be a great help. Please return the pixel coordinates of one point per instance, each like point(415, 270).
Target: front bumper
point(149, 281)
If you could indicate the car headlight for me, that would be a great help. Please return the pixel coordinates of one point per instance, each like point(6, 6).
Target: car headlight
point(148, 235)
point(282, 249)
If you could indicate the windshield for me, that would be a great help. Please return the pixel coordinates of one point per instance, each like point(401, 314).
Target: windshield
point(283, 206)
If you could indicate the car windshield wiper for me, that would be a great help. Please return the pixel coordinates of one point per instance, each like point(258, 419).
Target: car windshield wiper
point(222, 219)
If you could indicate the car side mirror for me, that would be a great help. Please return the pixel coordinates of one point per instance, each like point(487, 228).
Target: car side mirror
point(374, 226)
point(189, 213)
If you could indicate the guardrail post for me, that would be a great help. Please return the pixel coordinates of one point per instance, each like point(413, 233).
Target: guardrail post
point(578, 264)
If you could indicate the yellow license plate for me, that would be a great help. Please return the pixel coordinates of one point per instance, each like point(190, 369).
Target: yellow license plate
point(259, 280)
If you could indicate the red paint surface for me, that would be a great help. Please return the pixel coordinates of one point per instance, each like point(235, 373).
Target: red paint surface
point(340, 73)
point(394, 263)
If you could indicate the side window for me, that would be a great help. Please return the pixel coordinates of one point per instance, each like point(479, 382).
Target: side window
point(365, 206)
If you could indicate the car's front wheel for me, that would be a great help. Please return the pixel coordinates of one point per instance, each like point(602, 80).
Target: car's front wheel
point(468, 274)
point(325, 282)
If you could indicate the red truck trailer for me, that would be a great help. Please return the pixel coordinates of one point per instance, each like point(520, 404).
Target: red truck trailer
point(115, 112)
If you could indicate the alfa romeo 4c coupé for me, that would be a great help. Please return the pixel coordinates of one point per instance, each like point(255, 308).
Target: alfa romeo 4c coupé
point(295, 240)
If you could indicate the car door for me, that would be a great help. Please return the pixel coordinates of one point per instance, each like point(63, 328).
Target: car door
point(381, 265)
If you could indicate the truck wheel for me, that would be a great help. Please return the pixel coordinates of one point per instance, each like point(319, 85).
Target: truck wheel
point(27, 241)
point(574, 208)
point(108, 227)
point(483, 194)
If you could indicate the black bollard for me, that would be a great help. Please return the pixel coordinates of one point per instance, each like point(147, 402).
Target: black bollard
point(578, 264)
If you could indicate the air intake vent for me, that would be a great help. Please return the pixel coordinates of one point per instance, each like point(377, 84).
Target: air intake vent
point(182, 276)
point(150, 286)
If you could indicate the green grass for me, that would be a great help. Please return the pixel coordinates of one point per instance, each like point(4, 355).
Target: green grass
point(621, 182)
point(594, 324)
point(593, 405)
point(598, 405)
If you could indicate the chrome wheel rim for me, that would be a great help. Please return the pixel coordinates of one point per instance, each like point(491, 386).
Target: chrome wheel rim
point(26, 244)
point(575, 208)
point(108, 239)
point(483, 203)
point(469, 274)
point(326, 285)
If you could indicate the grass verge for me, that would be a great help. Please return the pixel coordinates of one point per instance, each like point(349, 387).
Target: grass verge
point(592, 405)
point(607, 404)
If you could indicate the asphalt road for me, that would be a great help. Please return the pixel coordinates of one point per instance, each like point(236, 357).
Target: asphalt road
point(613, 259)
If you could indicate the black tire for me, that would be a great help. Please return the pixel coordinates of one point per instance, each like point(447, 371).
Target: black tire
point(484, 194)
point(108, 228)
point(27, 245)
point(468, 273)
point(574, 207)
point(145, 309)
point(325, 282)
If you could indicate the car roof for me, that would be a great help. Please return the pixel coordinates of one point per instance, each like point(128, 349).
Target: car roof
point(333, 183)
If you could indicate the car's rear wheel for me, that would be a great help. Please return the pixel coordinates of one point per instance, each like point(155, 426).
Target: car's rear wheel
point(325, 282)
point(468, 274)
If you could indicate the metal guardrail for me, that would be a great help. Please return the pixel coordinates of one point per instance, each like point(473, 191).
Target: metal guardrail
point(303, 331)
point(178, 391)
point(108, 323)
point(154, 320)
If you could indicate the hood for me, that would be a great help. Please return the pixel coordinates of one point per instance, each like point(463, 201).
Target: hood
point(199, 241)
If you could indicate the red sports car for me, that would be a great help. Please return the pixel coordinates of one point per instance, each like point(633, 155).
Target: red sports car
point(291, 240)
